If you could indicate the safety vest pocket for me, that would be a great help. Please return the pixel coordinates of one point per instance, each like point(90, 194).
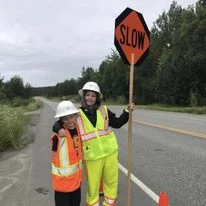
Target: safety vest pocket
point(86, 148)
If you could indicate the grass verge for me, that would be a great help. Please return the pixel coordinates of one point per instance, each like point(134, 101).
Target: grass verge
point(13, 122)
point(168, 108)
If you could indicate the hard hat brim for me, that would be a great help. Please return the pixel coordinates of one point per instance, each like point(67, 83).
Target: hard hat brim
point(81, 93)
point(66, 113)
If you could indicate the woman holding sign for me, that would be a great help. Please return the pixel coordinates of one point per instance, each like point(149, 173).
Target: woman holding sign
point(99, 144)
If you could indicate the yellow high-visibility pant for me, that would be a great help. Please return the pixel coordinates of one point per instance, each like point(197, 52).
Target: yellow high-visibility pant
point(107, 169)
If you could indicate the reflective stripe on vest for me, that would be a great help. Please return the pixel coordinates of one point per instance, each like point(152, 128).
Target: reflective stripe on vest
point(66, 171)
point(98, 141)
point(66, 164)
point(63, 154)
point(94, 134)
point(104, 113)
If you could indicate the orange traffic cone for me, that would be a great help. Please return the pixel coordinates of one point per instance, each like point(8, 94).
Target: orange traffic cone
point(163, 199)
point(101, 192)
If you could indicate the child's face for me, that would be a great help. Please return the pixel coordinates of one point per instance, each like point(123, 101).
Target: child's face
point(69, 121)
point(90, 98)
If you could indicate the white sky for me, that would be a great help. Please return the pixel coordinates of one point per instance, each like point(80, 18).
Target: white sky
point(49, 41)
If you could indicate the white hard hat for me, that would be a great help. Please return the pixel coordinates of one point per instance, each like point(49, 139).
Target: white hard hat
point(65, 108)
point(91, 86)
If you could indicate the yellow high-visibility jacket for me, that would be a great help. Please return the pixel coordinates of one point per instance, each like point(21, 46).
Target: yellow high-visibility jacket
point(98, 141)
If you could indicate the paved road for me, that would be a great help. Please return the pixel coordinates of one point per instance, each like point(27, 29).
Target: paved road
point(163, 160)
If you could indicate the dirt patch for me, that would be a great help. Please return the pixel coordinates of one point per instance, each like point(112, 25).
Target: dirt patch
point(30, 130)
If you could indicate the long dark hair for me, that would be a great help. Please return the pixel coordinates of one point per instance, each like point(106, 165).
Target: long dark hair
point(97, 103)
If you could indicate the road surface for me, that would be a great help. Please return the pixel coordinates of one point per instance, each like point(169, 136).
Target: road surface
point(169, 153)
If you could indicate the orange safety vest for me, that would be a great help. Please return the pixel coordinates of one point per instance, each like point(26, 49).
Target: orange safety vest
point(66, 164)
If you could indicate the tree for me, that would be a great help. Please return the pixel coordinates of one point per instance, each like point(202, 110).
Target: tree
point(173, 73)
point(114, 77)
point(181, 73)
point(2, 93)
point(27, 91)
point(14, 87)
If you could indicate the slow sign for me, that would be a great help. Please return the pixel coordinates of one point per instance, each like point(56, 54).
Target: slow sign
point(131, 36)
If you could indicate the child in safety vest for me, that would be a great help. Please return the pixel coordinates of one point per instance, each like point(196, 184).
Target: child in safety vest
point(67, 158)
point(99, 144)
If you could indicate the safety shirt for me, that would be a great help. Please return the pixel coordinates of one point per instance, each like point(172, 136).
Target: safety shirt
point(98, 141)
point(66, 164)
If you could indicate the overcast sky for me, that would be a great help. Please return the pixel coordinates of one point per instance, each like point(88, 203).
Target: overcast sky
point(48, 41)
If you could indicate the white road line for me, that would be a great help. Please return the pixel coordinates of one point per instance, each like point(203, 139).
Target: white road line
point(13, 181)
point(140, 184)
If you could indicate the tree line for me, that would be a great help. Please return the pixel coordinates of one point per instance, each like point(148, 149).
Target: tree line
point(173, 73)
point(15, 92)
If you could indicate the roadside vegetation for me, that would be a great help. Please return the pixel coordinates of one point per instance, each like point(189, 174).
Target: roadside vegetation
point(172, 77)
point(120, 100)
point(163, 107)
point(13, 123)
point(169, 108)
point(15, 103)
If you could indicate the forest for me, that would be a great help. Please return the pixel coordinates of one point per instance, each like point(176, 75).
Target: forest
point(173, 73)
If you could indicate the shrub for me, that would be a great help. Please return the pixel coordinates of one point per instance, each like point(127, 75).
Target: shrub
point(33, 105)
point(18, 101)
point(193, 99)
point(121, 100)
point(12, 123)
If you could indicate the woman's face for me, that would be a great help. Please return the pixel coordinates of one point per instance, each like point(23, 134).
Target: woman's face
point(90, 98)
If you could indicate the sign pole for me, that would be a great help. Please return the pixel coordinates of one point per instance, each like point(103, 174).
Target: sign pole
point(132, 40)
point(131, 80)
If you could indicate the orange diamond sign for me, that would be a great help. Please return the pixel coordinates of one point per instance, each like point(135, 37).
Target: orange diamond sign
point(131, 36)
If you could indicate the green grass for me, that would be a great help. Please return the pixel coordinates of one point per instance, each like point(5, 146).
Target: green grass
point(13, 122)
point(162, 107)
point(33, 105)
